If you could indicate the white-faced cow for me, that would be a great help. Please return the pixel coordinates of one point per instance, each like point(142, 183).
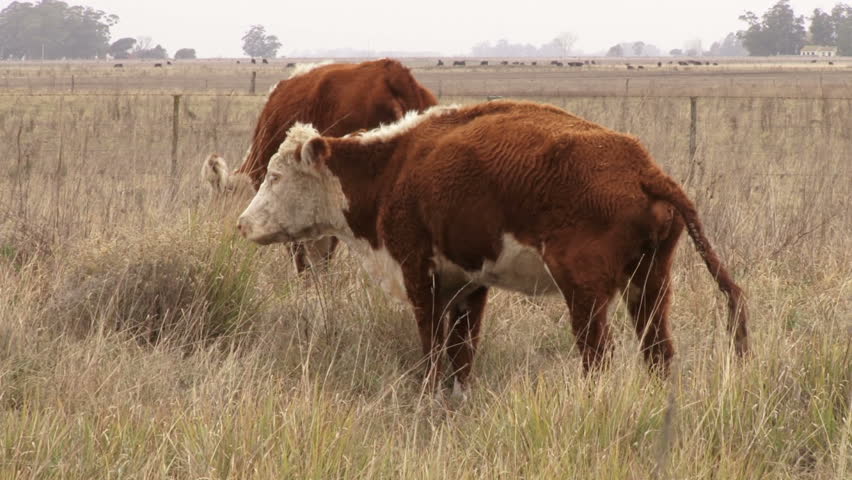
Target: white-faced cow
point(444, 205)
point(337, 99)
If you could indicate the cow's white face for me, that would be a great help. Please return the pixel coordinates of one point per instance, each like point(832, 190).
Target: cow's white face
point(300, 198)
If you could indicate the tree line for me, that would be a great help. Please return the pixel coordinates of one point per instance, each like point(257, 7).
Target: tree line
point(779, 31)
point(53, 29)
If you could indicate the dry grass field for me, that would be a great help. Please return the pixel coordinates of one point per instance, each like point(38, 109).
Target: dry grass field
point(141, 338)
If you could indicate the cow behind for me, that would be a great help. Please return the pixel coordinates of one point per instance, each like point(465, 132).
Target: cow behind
point(445, 205)
point(337, 99)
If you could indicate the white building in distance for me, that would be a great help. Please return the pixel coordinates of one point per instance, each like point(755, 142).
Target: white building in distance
point(818, 51)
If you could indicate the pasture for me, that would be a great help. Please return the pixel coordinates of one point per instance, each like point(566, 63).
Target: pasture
point(141, 338)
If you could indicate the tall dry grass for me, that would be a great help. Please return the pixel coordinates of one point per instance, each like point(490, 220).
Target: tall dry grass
point(140, 339)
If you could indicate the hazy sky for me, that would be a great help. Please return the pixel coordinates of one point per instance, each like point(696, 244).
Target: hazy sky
point(214, 28)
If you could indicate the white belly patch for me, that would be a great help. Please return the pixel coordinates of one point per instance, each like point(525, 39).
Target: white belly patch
point(519, 268)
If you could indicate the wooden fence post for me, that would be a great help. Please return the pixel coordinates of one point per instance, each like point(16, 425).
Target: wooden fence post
point(253, 82)
point(693, 142)
point(175, 133)
point(693, 133)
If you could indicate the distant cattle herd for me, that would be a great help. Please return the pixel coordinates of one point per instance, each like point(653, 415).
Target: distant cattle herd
point(486, 63)
point(441, 204)
point(576, 64)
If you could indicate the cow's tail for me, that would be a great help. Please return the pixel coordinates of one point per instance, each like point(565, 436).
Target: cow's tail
point(661, 186)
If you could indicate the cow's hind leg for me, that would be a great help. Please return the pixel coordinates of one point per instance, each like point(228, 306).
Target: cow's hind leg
point(588, 282)
point(648, 300)
point(465, 318)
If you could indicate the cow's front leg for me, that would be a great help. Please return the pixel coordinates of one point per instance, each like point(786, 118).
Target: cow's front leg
point(429, 309)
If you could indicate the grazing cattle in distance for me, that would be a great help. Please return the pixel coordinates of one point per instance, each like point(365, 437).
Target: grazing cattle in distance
point(459, 63)
point(533, 63)
point(168, 63)
point(290, 65)
point(338, 99)
point(443, 206)
point(253, 61)
point(659, 64)
point(118, 65)
point(440, 63)
point(504, 62)
point(158, 65)
point(640, 67)
point(484, 62)
point(238, 62)
point(265, 61)
point(575, 64)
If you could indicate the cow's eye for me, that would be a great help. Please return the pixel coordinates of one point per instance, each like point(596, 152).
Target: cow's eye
point(272, 177)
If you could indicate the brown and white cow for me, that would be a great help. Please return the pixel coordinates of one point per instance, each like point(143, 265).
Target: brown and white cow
point(337, 99)
point(527, 197)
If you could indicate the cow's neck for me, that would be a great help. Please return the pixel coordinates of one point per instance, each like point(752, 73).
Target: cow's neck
point(365, 173)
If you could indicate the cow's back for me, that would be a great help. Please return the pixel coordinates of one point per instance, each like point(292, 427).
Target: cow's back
point(337, 99)
point(481, 172)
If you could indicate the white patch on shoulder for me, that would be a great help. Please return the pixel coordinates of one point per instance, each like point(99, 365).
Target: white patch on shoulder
point(382, 268)
point(304, 68)
point(410, 120)
point(519, 268)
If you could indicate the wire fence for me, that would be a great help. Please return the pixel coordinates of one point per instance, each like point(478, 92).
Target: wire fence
point(694, 132)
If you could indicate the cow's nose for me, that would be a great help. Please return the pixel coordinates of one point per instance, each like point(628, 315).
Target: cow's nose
point(243, 227)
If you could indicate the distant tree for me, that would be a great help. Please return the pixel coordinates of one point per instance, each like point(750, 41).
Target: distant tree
point(121, 47)
point(256, 43)
point(505, 48)
point(565, 41)
point(693, 48)
point(156, 53)
point(53, 29)
point(185, 54)
point(841, 16)
point(675, 52)
point(615, 51)
point(778, 32)
point(730, 46)
point(638, 48)
point(143, 42)
point(822, 28)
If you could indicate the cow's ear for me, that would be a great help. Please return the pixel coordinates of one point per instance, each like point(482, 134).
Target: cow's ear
point(315, 151)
